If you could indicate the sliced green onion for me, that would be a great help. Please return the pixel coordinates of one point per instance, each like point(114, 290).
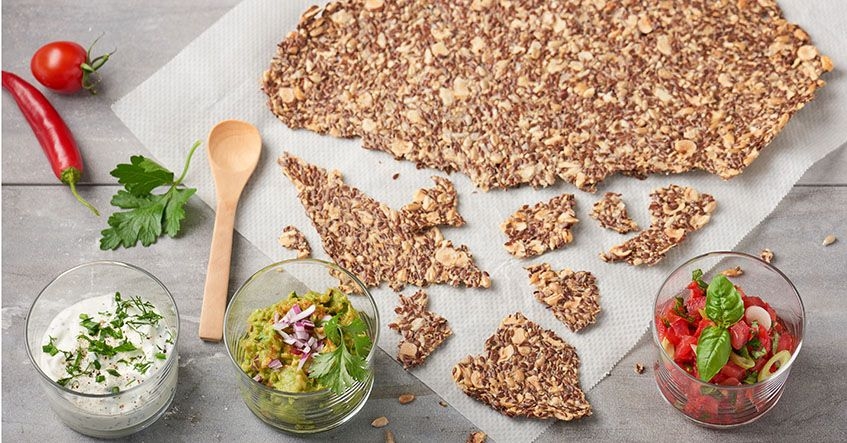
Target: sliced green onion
point(668, 347)
point(782, 357)
point(739, 360)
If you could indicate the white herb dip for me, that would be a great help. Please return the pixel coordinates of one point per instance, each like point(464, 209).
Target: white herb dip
point(129, 344)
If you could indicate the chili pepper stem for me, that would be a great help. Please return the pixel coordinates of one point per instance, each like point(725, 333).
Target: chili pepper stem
point(70, 176)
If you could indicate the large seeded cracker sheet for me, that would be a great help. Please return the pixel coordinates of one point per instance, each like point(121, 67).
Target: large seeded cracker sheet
point(217, 77)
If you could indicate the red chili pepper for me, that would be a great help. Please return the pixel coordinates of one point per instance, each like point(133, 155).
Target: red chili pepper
point(51, 131)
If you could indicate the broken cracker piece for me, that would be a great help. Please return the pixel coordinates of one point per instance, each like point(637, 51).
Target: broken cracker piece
point(374, 242)
point(434, 206)
point(525, 371)
point(476, 437)
point(676, 211)
point(610, 212)
point(292, 238)
point(423, 331)
point(545, 226)
point(572, 296)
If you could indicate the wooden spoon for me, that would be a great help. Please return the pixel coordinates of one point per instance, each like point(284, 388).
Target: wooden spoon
point(233, 149)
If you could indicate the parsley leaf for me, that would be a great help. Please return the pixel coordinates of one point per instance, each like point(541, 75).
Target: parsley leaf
point(50, 348)
point(142, 175)
point(146, 216)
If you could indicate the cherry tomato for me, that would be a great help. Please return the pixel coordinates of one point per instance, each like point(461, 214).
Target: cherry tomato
point(57, 66)
point(65, 67)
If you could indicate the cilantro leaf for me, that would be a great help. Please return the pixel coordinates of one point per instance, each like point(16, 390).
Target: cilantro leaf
point(340, 368)
point(142, 175)
point(50, 348)
point(146, 216)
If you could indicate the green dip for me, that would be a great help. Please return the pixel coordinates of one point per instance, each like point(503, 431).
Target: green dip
point(263, 344)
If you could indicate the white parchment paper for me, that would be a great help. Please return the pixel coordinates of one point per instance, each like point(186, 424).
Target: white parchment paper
point(217, 77)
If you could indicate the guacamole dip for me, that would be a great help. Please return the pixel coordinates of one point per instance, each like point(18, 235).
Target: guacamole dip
point(283, 338)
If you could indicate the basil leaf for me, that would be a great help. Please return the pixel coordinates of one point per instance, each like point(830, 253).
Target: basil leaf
point(697, 276)
point(713, 350)
point(723, 302)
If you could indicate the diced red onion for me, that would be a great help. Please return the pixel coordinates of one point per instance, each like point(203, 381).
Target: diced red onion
point(275, 364)
point(302, 361)
point(258, 378)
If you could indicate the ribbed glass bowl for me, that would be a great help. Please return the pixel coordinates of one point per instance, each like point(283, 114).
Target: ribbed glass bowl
point(297, 412)
point(718, 406)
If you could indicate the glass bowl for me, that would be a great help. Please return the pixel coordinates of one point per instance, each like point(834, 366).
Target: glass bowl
point(717, 406)
point(104, 415)
point(297, 412)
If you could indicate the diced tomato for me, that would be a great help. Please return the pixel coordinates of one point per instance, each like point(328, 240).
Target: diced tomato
point(764, 338)
point(696, 290)
point(702, 406)
point(739, 334)
point(730, 381)
point(786, 343)
point(660, 328)
point(760, 363)
point(694, 305)
point(680, 329)
point(718, 379)
point(731, 370)
point(671, 315)
point(704, 323)
point(684, 353)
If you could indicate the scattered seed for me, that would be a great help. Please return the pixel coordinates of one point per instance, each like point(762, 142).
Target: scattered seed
point(733, 272)
point(766, 255)
point(639, 368)
point(406, 398)
point(389, 436)
point(395, 176)
point(830, 239)
point(442, 403)
point(380, 422)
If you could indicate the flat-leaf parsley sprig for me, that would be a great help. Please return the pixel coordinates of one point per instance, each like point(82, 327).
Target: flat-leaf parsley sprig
point(345, 365)
point(146, 216)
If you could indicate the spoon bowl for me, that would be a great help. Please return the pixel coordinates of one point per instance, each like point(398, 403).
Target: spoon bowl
point(234, 149)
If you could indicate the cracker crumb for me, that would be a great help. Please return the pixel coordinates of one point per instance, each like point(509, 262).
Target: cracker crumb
point(389, 436)
point(406, 398)
point(477, 437)
point(379, 422)
point(830, 239)
point(639, 368)
point(766, 255)
point(733, 272)
point(292, 238)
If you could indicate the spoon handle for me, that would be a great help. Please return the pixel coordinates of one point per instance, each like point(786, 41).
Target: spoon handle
point(217, 274)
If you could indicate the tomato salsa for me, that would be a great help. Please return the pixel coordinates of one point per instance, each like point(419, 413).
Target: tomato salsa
point(719, 334)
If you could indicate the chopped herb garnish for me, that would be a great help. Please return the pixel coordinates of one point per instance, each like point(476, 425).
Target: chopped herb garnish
point(100, 378)
point(161, 355)
point(113, 372)
point(115, 389)
point(50, 348)
point(143, 367)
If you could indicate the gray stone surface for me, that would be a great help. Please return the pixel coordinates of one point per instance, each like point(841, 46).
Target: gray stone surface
point(45, 232)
